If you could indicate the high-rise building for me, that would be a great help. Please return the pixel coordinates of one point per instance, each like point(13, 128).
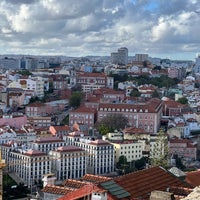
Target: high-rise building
point(196, 68)
point(141, 57)
point(120, 57)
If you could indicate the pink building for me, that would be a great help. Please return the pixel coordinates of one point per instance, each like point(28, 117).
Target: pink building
point(59, 131)
point(142, 115)
point(183, 148)
point(14, 121)
point(83, 115)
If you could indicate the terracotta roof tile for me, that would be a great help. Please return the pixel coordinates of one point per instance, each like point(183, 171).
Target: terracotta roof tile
point(34, 153)
point(56, 189)
point(73, 183)
point(99, 142)
point(95, 178)
point(68, 149)
point(193, 178)
point(85, 191)
point(61, 128)
point(48, 140)
point(84, 109)
point(140, 184)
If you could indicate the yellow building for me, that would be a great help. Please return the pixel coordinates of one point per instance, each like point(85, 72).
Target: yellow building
point(131, 149)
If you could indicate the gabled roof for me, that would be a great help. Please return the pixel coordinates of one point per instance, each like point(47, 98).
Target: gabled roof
point(73, 183)
point(84, 192)
point(95, 178)
point(140, 184)
point(56, 190)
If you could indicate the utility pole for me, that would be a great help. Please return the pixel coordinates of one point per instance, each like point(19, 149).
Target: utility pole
point(2, 165)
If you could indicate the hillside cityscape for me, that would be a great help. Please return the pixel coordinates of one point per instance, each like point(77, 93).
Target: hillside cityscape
point(99, 127)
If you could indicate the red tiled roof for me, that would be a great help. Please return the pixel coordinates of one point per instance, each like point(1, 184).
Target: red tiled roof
point(61, 128)
point(173, 104)
point(34, 153)
point(140, 184)
point(99, 142)
point(68, 149)
point(84, 191)
point(73, 183)
point(193, 178)
point(133, 130)
point(48, 140)
point(87, 75)
point(56, 190)
point(84, 109)
point(95, 178)
point(151, 106)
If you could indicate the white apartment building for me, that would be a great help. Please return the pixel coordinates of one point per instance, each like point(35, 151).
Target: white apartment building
point(25, 134)
point(46, 144)
point(68, 162)
point(100, 158)
point(34, 83)
point(132, 150)
point(7, 135)
point(30, 166)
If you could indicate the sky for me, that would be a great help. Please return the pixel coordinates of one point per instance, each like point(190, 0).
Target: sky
point(160, 28)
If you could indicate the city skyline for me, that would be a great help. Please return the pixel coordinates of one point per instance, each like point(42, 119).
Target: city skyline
point(81, 28)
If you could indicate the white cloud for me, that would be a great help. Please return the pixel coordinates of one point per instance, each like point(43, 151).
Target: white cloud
point(86, 27)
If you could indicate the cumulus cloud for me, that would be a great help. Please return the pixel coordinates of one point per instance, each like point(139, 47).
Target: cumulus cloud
point(78, 28)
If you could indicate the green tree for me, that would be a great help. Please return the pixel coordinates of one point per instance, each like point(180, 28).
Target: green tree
point(25, 72)
point(112, 122)
point(135, 93)
point(75, 99)
point(65, 121)
point(159, 154)
point(122, 164)
point(103, 129)
point(140, 163)
point(183, 100)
